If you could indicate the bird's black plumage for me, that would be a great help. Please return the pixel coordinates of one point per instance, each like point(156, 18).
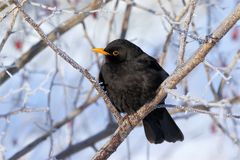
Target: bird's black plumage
point(131, 78)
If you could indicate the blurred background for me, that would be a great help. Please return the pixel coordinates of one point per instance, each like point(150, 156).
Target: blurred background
point(44, 99)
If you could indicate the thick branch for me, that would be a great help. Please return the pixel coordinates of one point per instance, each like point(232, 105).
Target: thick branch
point(173, 109)
point(132, 120)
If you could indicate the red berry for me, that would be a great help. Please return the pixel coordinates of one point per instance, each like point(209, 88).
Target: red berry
point(18, 44)
point(77, 1)
point(95, 16)
point(235, 33)
point(213, 128)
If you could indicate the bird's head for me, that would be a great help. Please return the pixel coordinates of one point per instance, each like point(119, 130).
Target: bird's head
point(119, 50)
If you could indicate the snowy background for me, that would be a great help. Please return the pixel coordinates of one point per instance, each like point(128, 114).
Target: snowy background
point(31, 87)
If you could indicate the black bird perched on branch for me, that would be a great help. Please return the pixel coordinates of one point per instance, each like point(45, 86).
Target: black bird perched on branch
point(131, 79)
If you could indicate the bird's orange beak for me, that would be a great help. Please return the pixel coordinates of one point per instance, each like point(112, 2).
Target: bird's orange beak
point(101, 51)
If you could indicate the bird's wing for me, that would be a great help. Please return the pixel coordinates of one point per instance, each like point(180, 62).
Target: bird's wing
point(150, 62)
point(153, 64)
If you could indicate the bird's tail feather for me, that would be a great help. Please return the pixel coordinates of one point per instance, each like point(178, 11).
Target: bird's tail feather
point(160, 126)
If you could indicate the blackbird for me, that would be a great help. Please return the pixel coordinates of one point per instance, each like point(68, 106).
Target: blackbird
point(131, 78)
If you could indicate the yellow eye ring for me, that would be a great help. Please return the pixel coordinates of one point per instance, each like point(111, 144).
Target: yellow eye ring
point(115, 53)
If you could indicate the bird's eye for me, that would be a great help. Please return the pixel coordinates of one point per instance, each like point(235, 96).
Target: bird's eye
point(115, 53)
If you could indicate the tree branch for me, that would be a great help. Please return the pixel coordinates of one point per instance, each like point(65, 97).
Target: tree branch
point(9, 31)
point(169, 35)
point(56, 126)
point(71, 61)
point(132, 120)
point(126, 20)
point(39, 46)
point(183, 35)
point(88, 142)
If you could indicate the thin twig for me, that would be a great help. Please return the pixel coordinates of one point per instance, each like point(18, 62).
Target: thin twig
point(22, 110)
point(7, 13)
point(112, 20)
point(71, 61)
point(39, 46)
point(56, 126)
point(9, 30)
point(163, 55)
point(228, 70)
point(126, 21)
point(183, 36)
point(88, 142)
point(194, 100)
point(49, 113)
